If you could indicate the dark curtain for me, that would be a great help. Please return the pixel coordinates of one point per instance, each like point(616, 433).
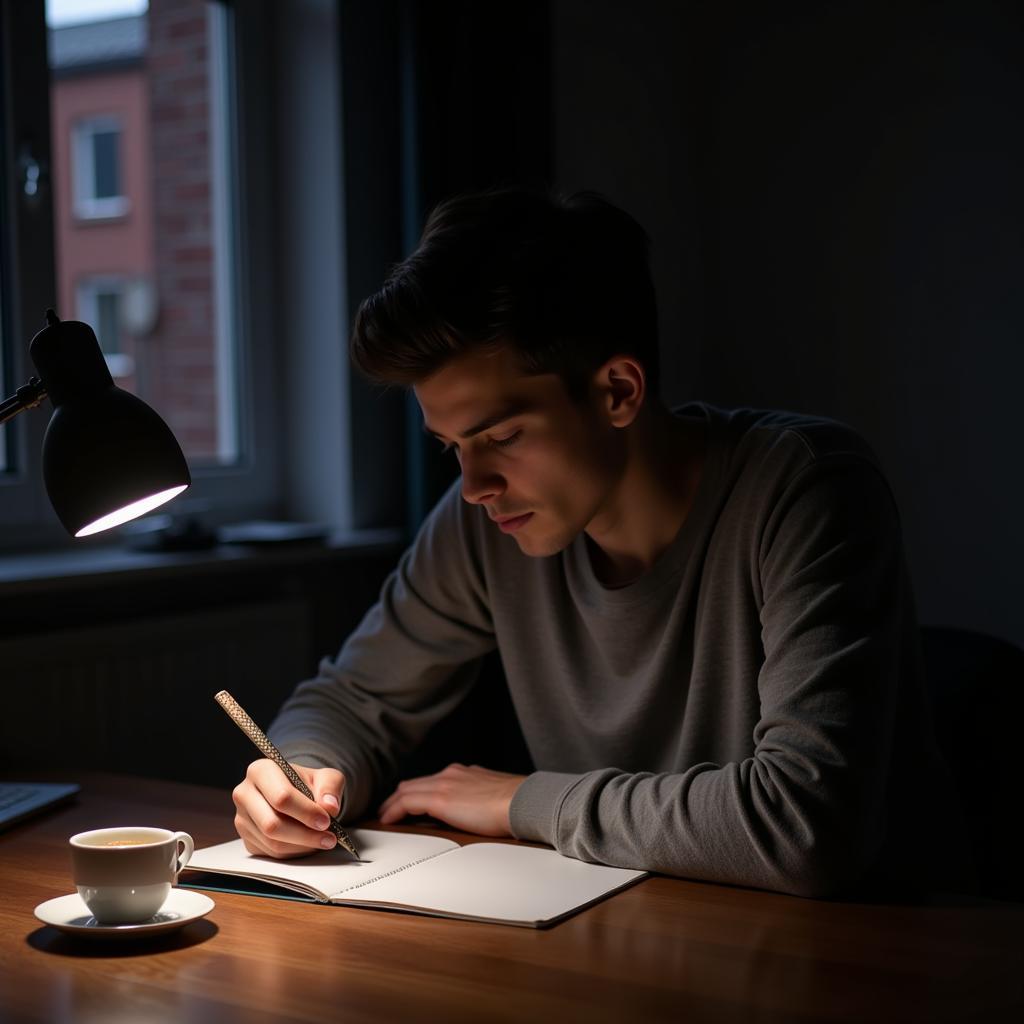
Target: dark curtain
point(438, 98)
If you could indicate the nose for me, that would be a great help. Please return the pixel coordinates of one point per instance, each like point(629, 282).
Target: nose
point(480, 483)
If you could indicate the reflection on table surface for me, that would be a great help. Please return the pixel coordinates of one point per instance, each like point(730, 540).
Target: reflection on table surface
point(662, 950)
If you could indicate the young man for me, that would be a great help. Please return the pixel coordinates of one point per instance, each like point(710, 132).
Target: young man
point(704, 616)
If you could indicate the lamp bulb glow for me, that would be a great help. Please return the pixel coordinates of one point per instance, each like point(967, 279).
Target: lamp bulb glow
point(132, 511)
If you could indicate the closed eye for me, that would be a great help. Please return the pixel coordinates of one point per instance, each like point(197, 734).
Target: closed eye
point(496, 442)
point(504, 442)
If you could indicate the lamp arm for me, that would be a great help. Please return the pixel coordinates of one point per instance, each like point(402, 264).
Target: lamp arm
point(28, 396)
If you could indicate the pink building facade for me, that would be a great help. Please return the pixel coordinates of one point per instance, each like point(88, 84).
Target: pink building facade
point(131, 116)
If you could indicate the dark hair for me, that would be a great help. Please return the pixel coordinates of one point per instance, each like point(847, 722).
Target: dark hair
point(565, 282)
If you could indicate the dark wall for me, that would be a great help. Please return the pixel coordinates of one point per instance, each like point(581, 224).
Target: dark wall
point(833, 194)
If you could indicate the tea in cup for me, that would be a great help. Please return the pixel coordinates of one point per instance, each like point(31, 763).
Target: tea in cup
point(124, 875)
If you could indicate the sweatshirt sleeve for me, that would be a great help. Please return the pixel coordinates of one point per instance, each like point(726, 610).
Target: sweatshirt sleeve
point(804, 814)
point(408, 664)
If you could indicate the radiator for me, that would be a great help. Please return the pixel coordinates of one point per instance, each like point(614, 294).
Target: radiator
point(137, 696)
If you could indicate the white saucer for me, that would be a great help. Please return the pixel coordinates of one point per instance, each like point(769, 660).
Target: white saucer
point(70, 914)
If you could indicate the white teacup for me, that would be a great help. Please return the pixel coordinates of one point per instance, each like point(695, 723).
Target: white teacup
point(125, 874)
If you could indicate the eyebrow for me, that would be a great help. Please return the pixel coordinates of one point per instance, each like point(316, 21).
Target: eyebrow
point(516, 409)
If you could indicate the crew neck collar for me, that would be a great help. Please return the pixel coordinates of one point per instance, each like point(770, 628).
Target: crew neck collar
point(590, 591)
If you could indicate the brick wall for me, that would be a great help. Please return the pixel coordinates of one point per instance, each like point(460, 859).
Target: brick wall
point(182, 385)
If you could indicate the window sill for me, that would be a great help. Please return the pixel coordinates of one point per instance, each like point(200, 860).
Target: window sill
point(67, 569)
point(102, 212)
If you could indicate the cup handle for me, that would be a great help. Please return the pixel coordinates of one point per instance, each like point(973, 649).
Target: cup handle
point(181, 858)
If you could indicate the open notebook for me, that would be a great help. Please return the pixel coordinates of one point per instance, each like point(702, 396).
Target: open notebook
point(495, 882)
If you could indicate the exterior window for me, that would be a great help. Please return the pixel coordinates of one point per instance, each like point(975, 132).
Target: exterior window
point(102, 304)
point(146, 252)
point(140, 203)
point(97, 169)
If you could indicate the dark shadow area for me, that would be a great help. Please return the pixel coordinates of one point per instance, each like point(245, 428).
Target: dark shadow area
point(482, 730)
point(50, 940)
point(977, 689)
point(122, 667)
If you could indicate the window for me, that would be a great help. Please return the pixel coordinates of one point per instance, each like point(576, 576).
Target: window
point(150, 221)
point(101, 304)
point(147, 104)
point(96, 158)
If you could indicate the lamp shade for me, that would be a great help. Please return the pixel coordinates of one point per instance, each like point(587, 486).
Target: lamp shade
point(107, 456)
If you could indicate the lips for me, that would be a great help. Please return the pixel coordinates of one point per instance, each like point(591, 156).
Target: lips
point(509, 524)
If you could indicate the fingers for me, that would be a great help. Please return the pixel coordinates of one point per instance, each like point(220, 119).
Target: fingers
point(283, 797)
point(474, 798)
point(416, 796)
point(427, 794)
point(258, 842)
point(327, 785)
point(273, 818)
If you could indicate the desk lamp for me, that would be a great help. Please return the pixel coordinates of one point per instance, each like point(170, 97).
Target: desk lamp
point(107, 456)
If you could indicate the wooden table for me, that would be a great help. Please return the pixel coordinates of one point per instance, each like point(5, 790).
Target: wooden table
point(663, 950)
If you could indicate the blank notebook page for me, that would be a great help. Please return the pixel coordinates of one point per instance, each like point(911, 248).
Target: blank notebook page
point(330, 871)
point(499, 882)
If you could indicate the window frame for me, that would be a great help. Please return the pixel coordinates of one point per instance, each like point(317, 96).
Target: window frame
point(85, 203)
point(28, 274)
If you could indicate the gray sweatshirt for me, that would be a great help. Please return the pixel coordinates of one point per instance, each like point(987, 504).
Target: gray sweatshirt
point(749, 711)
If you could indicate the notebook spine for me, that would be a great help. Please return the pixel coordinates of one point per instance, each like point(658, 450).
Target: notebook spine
point(388, 874)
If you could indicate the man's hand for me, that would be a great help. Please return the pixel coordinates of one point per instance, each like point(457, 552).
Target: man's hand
point(274, 819)
point(473, 799)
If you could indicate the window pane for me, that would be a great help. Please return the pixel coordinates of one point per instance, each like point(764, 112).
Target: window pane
point(107, 329)
point(106, 175)
point(151, 78)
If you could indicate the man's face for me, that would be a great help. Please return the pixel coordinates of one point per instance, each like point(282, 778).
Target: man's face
point(542, 466)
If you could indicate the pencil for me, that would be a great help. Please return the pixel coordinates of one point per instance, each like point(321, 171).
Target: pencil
point(256, 734)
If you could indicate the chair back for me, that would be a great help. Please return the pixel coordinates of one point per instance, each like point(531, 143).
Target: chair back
point(976, 684)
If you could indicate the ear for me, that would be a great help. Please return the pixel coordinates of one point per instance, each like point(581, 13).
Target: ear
point(621, 386)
